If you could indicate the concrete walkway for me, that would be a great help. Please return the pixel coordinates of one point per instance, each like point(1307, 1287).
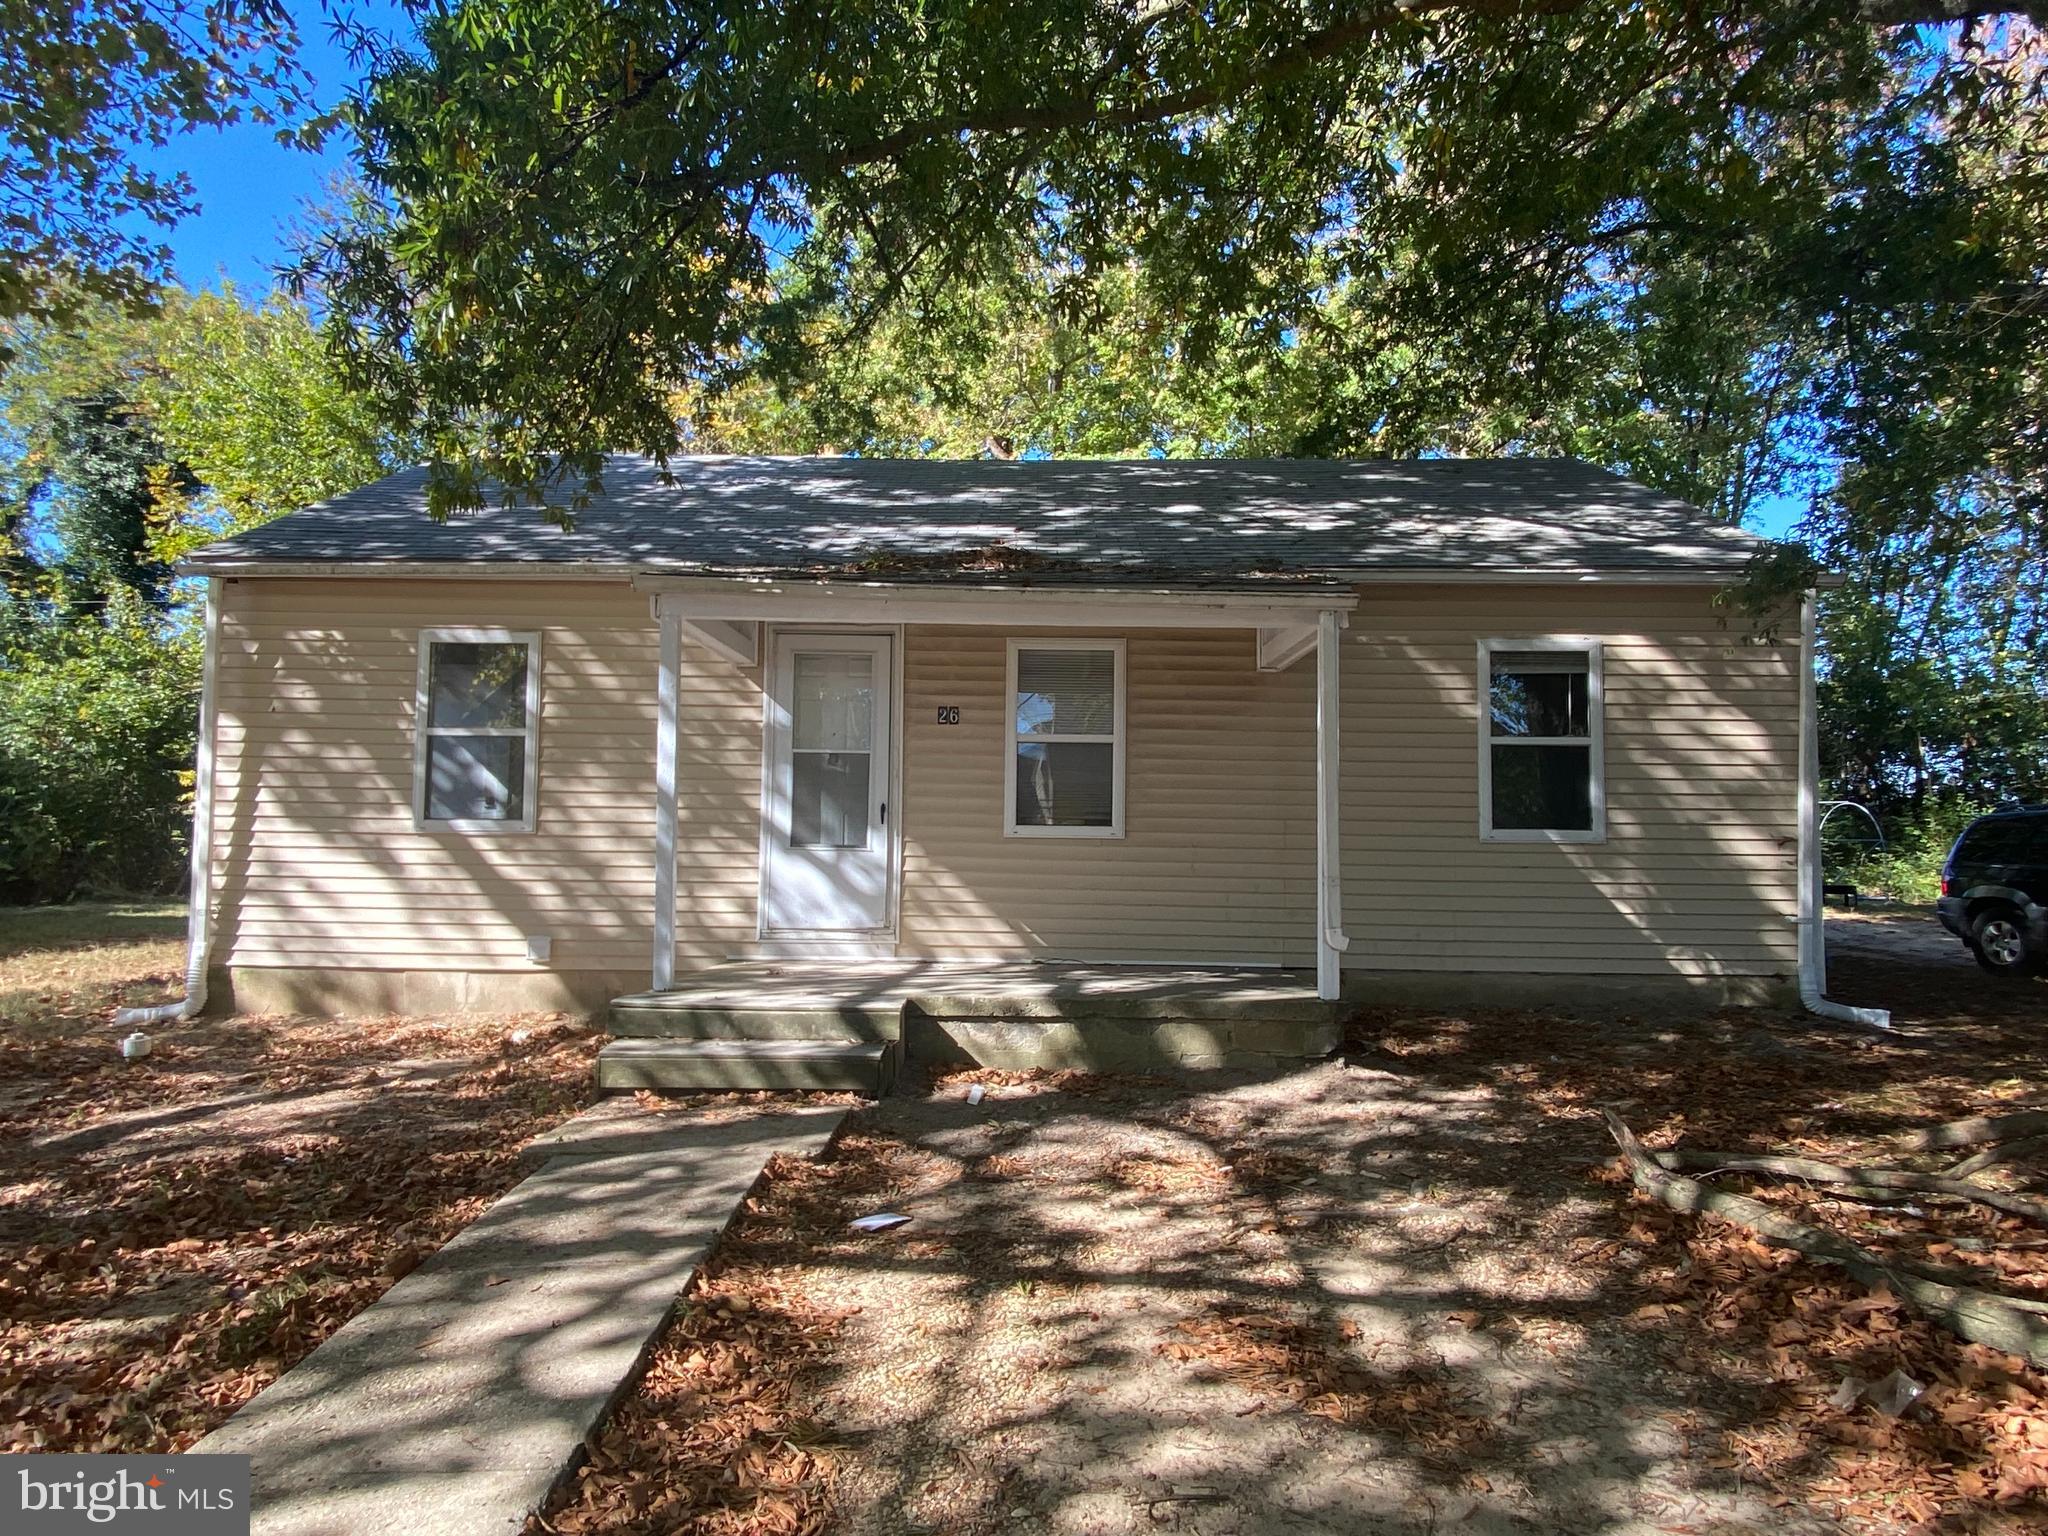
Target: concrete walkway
point(455, 1402)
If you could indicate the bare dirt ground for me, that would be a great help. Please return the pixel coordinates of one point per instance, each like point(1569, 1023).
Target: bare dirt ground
point(1403, 1291)
point(1911, 935)
point(176, 1232)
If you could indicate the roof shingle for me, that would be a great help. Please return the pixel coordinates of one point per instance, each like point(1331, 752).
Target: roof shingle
point(1060, 519)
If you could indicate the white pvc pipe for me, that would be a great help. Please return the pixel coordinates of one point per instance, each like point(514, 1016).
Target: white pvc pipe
point(1813, 952)
point(199, 900)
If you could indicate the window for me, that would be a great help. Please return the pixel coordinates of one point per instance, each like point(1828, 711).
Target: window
point(1540, 774)
point(831, 748)
point(1065, 756)
point(478, 711)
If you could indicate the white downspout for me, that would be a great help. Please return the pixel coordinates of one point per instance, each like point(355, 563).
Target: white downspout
point(1813, 955)
point(668, 706)
point(199, 900)
point(1331, 941)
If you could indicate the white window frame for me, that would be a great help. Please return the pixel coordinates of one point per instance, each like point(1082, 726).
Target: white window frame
point(422, 732)
point(1012, 739)
point(1594, 739)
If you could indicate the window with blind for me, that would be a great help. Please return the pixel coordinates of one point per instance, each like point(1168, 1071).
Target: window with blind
point(1065, 768)
point(477, 718)
point(1540, 772)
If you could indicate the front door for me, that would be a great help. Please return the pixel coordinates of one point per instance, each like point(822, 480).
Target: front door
point(825, 826)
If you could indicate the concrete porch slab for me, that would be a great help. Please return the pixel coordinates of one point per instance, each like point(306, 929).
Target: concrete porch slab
point(1043, 988)
point(455, 1403)
point(1002, 1014)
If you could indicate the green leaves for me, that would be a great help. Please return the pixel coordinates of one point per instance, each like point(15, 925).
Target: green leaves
point(96, 721)
point(1749, 254)
point(128, 439)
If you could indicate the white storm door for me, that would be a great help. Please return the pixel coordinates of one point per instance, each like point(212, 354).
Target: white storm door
point(825, 845)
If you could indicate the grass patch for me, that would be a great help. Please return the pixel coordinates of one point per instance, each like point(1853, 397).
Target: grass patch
point(66, 967)
point(24, 930)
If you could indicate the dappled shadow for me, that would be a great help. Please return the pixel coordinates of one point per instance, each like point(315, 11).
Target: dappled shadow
point(462, 1395)
point(1230, 517)
point(175, 1231)
point(1402, 1291)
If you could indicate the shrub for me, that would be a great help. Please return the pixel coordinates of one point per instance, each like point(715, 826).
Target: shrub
point(97, 721)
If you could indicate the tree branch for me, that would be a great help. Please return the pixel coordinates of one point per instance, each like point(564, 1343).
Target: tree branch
point(1976, 1315)
point(1932, 13)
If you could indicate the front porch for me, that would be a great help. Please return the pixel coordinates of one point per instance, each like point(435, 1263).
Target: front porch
point(954, 772)
point(850, 1025)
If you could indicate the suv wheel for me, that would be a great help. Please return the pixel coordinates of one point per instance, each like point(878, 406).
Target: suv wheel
point(1999, 940)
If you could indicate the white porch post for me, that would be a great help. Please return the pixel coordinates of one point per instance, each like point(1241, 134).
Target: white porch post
point(664, 968)
point(1330, 940)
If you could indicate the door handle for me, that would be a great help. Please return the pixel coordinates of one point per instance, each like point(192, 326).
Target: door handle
point(885, 813)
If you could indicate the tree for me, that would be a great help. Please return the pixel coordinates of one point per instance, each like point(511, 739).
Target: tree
point(83, 84)
point(1016, 364)
point(550, 261)
point(237, 411)
point(108, 478)
point(96, 730)
point(130, 436)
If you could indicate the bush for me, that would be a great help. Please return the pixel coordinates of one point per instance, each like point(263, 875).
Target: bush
point(1908, 869)
point(97, 722)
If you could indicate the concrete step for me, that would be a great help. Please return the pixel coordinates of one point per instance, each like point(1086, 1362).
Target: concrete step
point(854, 1066)
point(665, 1016)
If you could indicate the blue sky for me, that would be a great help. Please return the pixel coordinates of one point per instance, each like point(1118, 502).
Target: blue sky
point(250, 188)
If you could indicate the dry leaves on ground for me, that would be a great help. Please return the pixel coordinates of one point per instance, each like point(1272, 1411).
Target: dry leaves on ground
point(716, 1440)
point(1776, 1336)
point(1291, 1358)
point(176, 1232)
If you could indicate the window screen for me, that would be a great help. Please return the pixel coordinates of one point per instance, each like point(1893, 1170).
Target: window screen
point(1065, 739)
point(832, 741)
point(477, 730)
point(1541, 742)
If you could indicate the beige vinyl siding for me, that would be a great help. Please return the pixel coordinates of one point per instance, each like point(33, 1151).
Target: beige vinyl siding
point(319, 862)
point(1218, 858)
point(1696, 876)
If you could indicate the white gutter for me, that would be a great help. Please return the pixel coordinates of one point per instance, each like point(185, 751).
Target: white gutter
point(1331, 940)
point(199, 920)
point(1813, 953)
point(415, 570)
point(668, 693)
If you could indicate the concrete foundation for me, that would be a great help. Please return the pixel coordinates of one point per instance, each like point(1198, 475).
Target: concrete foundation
point(337, 993)
point(1011, 1015)
point(1535, 989)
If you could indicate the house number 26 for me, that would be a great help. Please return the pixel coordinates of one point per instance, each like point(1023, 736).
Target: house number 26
point(949, 714)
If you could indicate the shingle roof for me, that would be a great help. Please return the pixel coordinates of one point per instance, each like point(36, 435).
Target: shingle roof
point(1072, 520)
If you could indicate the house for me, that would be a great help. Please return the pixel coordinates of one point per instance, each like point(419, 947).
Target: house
point(1447, 727)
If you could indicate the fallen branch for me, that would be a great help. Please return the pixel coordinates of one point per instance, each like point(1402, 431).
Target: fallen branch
point(1991, 1157)
point(1972, 1314)
point(1876, 1182)
point(1977, 1130)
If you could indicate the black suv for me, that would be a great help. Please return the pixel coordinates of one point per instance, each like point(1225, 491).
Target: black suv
point(1994, 890)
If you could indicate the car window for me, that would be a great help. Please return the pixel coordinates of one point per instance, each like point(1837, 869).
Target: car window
point(2008, 840)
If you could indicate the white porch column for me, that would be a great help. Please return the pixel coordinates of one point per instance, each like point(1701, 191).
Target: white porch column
point(1330, 939)
point(667, 697)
